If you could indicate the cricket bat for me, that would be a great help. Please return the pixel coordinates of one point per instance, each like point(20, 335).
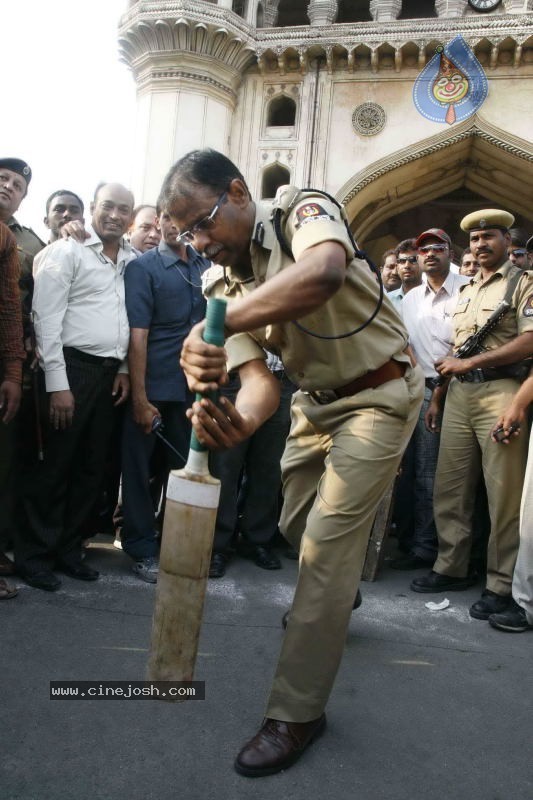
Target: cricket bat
point(190, 514)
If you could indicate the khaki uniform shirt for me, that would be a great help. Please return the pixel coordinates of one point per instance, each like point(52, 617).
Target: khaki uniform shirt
point(478, 300)
point(28, 245)
point(312, 363)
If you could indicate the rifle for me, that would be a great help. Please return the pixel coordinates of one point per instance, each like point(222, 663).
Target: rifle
point(474, 344)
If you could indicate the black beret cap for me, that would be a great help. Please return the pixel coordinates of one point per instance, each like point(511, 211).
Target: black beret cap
point(17, 165)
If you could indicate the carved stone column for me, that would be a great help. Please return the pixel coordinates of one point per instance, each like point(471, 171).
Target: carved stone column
point(322, 12)
point(450, 8)
point(270, 13)
point(385, 10)
point(251, 12)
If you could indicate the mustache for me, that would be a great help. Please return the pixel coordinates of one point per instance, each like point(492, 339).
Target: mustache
point(212, 252)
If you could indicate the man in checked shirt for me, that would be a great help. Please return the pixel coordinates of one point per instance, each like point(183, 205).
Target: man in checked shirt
point(12, 356)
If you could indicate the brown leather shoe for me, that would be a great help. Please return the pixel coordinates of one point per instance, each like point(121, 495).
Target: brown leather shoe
point(277, 746)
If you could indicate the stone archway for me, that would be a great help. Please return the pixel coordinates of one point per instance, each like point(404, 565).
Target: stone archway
point(472, 164)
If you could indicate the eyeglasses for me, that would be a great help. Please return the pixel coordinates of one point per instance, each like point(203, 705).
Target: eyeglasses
point(206, 222)
point(517, 253)
point(437, 248)
point(407, 260)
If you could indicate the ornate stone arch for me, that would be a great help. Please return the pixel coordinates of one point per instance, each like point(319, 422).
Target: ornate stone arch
point(274, 176)
point(281, 110)
point(473, 154)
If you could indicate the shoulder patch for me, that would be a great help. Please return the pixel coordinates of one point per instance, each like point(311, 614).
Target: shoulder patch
point(528, 308)
point(310, 212)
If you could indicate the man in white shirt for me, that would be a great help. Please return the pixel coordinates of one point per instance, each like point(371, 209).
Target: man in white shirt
point(408, 270)
point(82, 335)
point(427, 313)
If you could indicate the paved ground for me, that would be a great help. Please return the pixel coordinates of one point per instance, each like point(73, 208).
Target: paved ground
point(429, 705)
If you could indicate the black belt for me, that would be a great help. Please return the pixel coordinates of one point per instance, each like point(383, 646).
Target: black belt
point(101, 361)
point(483, 375)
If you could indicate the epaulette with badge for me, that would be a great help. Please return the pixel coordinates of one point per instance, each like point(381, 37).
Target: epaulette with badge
point(211, 277)
point(38, 241)
point(287, 197)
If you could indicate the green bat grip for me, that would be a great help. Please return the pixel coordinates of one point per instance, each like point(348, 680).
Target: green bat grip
point(213, 334)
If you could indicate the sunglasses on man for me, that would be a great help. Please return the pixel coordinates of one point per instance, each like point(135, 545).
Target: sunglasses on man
point(407, 260)
point(437, 248)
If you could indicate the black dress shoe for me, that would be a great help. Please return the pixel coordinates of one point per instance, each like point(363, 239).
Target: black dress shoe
point(6, 565)
point(490, 603)
point(513, 620)
point(356, 603)
point(410, 561)
point(291, 553)
point(435, 582)
point(40, 579)
point(264, 557)
point(219, 562)
point(277, 746)
point(79, 571)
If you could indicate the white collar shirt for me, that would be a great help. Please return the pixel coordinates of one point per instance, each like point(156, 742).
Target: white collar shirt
point(427, 315)
point(79, 302)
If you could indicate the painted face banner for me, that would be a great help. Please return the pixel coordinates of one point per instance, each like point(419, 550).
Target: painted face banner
point(452, 85)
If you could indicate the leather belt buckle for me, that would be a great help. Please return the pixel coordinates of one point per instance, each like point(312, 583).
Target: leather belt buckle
point(323, 396)
point(473, 376)
point(432, 383)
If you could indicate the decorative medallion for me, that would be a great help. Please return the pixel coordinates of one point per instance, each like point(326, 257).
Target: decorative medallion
point(368, 119)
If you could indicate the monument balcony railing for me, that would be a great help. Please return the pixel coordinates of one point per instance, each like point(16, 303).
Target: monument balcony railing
point(499, 40)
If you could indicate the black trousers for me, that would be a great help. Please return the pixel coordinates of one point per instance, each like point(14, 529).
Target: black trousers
point(139, 538)
point(250, 476)
point(18, 454)
point(60, 492)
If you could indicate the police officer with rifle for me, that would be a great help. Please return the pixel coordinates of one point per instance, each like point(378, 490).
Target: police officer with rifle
point(493, 324)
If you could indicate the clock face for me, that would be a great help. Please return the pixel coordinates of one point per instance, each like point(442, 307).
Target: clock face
point(484, 5)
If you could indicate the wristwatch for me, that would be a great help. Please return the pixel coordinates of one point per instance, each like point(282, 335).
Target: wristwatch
point(484, 5)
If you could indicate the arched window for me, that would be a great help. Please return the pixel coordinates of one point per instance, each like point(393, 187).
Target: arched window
point(292, 12)
point(354, 11)
point(260, 19)
point(239, 7)
point(281, 112)
point(274, 177)
point(417, 9)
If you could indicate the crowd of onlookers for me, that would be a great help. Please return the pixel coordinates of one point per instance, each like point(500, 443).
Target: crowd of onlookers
point(91, 326)
point(457, 497)
point(90, 359)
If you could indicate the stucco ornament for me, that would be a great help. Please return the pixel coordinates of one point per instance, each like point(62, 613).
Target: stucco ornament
point(368, 119)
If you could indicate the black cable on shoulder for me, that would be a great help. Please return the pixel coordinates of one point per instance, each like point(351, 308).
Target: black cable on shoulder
point(358, 254)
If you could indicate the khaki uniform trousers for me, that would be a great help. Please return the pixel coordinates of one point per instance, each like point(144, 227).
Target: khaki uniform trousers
point(339, 461)
point(470, 414)
point(523, 574)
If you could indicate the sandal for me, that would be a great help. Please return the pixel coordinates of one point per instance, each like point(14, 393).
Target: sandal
point(7, 590)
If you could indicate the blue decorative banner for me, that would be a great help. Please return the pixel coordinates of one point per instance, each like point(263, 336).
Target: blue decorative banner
point(452, 85)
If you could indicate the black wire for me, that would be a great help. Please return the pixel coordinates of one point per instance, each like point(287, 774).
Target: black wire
point(357, 253)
